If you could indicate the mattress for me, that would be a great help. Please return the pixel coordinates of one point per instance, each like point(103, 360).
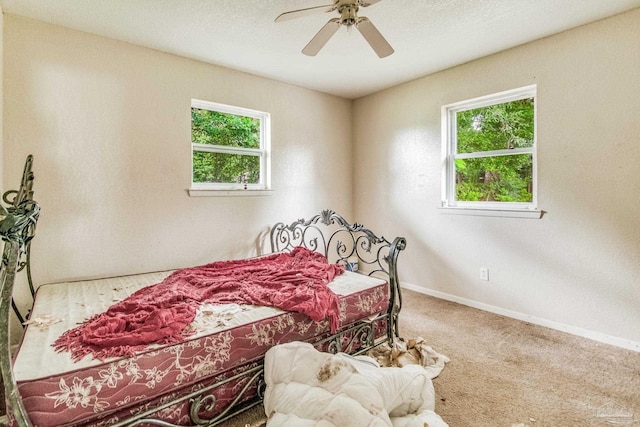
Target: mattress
point(225, 338)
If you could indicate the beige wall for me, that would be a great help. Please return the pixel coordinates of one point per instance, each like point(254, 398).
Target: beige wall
point(578, 267)
point(109, 126)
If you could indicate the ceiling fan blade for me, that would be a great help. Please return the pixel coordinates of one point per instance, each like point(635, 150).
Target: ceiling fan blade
point(322, 37)
point(304, 12)
point(366, 3)
point(374, 38)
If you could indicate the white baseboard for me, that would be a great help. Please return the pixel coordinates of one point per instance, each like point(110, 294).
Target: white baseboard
point(584, 333)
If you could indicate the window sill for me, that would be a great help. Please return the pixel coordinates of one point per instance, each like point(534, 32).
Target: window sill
point(504, 213)
point(197, 192)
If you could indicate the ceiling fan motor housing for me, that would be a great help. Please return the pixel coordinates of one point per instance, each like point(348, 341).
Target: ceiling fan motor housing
point(348, 14)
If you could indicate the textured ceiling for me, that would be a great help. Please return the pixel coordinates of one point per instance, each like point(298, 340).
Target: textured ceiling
point(427, 35)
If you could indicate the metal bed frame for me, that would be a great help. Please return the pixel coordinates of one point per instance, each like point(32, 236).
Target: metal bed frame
point(327, 233)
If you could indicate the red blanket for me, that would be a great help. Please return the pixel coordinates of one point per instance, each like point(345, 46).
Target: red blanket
point(295, 281)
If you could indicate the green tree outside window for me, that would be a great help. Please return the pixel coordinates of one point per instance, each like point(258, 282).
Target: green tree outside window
point(227, 148)
point(491, 168)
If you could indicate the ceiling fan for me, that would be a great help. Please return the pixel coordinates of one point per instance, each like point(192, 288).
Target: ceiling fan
point(348, 10)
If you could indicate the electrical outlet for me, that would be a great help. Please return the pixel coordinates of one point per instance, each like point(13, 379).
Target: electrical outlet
point(484, 273)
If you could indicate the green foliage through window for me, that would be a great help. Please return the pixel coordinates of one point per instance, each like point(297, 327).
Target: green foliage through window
point(213, 127)
point(227, 148)
point(496, 163)
point(225, 168)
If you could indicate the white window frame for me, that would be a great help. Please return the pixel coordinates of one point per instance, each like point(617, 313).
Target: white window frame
point(264, 152)
point(449, 155)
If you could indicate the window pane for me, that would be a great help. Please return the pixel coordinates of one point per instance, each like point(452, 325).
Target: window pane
point(495, 179)
point(213, 127)
point(496, 127)
point(225, 168)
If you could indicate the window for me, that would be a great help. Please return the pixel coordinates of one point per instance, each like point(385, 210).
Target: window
point(489, 152)
point(230, 147)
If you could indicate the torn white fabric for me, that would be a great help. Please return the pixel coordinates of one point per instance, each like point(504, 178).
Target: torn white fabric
point(411, 352)
point(306, 387)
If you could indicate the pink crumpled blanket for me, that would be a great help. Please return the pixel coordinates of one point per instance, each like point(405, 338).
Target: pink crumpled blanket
point(158, 314)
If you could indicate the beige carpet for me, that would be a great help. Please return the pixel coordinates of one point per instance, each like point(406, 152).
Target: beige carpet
point(504, 372)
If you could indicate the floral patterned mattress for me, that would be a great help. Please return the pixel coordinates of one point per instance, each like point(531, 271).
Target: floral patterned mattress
point(57, 391)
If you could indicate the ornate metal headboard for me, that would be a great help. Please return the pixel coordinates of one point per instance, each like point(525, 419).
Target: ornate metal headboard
point(17, 227)
point(352, 245)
